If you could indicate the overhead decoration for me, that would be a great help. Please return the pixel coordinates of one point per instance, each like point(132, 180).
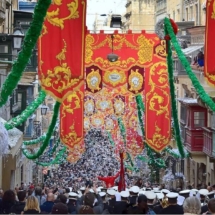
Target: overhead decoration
point(199, 88)
point(61, 68)
point(93, 79)
point(4, 140)
point(34, 141)
point(158, 108)
point(136, 80)
point(75, 154)
point(29, 43)
point(71, 118)
point(16, 121)
point(209, 54)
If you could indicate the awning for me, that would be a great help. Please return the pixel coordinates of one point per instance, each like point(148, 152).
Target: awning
point(192, 49)
point(189, 101)
point(15, 139)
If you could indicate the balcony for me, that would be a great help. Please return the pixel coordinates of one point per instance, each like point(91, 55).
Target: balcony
point(194, 140)
point(209, 147)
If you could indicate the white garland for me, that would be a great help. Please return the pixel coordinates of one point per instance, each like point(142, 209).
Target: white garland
point(159, 29)
point(4, 140)
point(168, 176)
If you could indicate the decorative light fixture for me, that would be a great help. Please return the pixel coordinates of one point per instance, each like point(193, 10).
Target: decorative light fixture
point(44, 109)
point(17, 38)
point(112, 57)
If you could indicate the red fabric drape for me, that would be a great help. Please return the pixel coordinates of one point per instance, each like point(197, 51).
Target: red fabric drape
point(121, 186)
point(209, 55)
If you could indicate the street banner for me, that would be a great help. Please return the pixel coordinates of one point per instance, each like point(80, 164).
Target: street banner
point(209, 55)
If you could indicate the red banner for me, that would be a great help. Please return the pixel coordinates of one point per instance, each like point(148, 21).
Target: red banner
point(157, 106)
point(61, 47)
point(71, 117)
point(209, 56)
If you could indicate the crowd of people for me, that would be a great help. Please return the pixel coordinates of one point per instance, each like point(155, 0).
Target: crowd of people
point(141, 198)
point(98, 160)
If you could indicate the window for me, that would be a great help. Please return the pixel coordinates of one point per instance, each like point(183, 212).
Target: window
point(2, 80)
point(173, 15)
point(4, 49)
point(178, 15)
point(213, 120)
point(187, 17)
point(199, 119)
point(191, 13)
point(183, 114)
point(197, 14)
point(30, 95)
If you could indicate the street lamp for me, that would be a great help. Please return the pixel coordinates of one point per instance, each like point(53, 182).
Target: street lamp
point(17, 38)
point(44, 109)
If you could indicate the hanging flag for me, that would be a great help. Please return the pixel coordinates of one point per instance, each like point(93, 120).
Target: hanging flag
point(157, 107)
point(121, 186)
point(61, 47)
point(209, 56)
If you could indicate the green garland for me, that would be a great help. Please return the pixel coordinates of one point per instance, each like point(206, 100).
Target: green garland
point(176, 155)
point(30, 41)
point(48, 135)
point(122, 130)
point(110, 138)
point(35, 141)
point(57, 160)
point(14, 122)
point(173, 100)
point(200, 90)
point(55, 147)
point(153, 161)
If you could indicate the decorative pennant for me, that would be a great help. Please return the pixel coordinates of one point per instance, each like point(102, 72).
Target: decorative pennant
point(62, 66)
point(209, 55)
point(136, 79)
point(104, 105)
point(93, 79)
point(160, 49)
point(158, 110)
point(71, 117)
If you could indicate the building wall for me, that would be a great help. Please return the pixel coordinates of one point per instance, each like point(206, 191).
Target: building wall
point(142, 16)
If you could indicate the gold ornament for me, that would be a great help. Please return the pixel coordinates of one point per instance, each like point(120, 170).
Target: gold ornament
point(135, 81)
point(94, 80)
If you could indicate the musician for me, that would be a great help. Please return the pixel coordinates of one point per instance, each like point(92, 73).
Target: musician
point(158, 207)
point(165, 200)
point(185, 193)
point(209, 196)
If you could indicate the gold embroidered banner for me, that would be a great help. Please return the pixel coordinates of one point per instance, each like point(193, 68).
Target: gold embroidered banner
point(209, 56)
point(157, 106)
point(61, 47)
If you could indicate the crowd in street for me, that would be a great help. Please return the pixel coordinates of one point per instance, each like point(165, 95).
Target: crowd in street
point(141, 198)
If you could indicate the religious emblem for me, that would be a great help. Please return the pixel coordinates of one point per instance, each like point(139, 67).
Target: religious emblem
point(109, 124)
point(86, 123)
point(114, 77)
point(89, 107)
point(119, 106)
point(135, 81)
point(103, 105)
point(97, 121)
point(94, 80)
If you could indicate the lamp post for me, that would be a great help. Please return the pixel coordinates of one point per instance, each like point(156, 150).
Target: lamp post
point(17, 38)
point(44, 109)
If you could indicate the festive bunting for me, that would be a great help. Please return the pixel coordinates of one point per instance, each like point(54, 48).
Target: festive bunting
point(209, 55)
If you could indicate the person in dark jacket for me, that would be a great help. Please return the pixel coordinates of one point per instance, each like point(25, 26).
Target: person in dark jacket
point(8, 201)
point(91, 199)
point(59, 208)
point(19, 206)
point(173, 207)
point(46, 207)
point(72, 202)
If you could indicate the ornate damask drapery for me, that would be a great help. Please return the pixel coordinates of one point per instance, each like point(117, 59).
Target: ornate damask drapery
point(113, 86)
point(61, 49)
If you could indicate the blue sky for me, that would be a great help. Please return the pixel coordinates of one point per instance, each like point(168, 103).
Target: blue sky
point(103, 7)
